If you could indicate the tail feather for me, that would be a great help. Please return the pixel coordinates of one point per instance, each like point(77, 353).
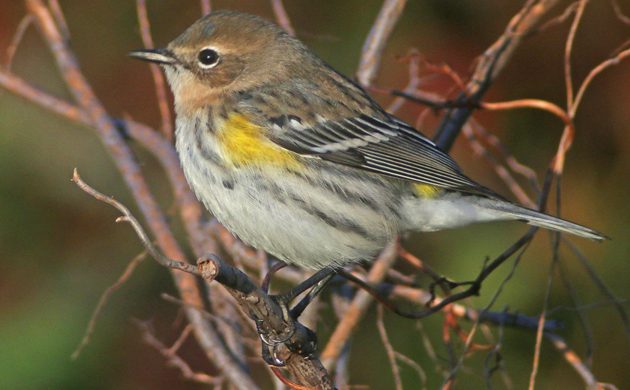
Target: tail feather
point(543, 220)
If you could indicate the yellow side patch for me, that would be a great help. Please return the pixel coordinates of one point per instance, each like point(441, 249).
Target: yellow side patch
point(426, 190)
point(245, 144)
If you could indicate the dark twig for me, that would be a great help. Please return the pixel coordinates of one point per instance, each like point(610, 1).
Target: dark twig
point(293, 344)
point(490, 64)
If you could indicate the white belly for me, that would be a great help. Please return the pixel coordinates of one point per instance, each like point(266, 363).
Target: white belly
point(294, 220)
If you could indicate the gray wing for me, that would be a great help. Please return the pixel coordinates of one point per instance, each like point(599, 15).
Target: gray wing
point(383, 145)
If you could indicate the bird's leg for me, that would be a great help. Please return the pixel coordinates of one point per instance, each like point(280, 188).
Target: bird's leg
point(301, 306)
point(267, 280)
point(313, 281)
point(271, 342)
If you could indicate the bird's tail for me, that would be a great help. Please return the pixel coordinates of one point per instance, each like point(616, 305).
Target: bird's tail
point(536, 218)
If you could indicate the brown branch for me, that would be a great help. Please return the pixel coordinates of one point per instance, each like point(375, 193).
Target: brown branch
point(128, 217)
point(156, 73)
point(172, 358)
point(26, 21)
point(297, 346)
point(516, 166)
point(596, 71)
point(124, 160)
point(60, 19)
point(391, 353)
point(102, 301)
point(619, 13)
point(358, 307)
point(282, 17)
point(574, 360)
point(499, 169)
point(488, 67)
point(568, 48)
point(541, 324)
point(206, 7)
point(557, 20)
point(376, 40)
point(412, 85)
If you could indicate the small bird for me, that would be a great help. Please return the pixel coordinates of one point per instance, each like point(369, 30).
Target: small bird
point(296, 159)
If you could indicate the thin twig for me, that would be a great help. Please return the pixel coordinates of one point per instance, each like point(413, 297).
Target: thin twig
point(516, 166)
point(619, 13)
point(499, 169)
point(358, 307)
point(128, 217)
point(26, 21)
point(490, 64)
point(60, 19)
point(158, 76)
point(376, 40)
point(282, 17)
point(594, 73)
point(127, 165)
point(416, 367)
point(206, 7)
point(133, 264)
point(412, 85)
point(568, 48)
point(541, 326)
point(173, 359)
point(389, 349)
point(574, 360)
point(557, 20)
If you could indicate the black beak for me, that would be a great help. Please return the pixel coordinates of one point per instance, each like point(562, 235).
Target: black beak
point(159, 56)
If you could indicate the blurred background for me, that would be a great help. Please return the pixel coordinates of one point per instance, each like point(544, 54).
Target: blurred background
point(60, 248)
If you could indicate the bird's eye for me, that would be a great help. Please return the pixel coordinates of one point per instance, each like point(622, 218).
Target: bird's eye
point(208, 58)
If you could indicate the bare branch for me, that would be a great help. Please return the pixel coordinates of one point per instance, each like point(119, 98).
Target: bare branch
point(596, 71)
point(128, 217)
point(568, 48)
point(293, 343)
point(133, 264)
point(358, 307)
point(489, 65)
point(156, 73)
point(376, 40)
point(123, 158)
point(26, 21)
point(541, 324)
point(206, 7)
point(391, 353)
point(173, 359)
point(282, 17)
point(619, 13)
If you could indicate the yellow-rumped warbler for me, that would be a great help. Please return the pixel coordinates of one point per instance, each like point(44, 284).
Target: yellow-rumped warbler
point(298, 160)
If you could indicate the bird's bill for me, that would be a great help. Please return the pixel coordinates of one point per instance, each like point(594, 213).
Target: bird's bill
point(159, 56)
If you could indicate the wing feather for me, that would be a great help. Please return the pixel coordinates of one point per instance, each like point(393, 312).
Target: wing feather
point(377, 142)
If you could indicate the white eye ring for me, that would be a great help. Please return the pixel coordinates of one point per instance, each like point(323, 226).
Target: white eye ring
point(208, 58)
